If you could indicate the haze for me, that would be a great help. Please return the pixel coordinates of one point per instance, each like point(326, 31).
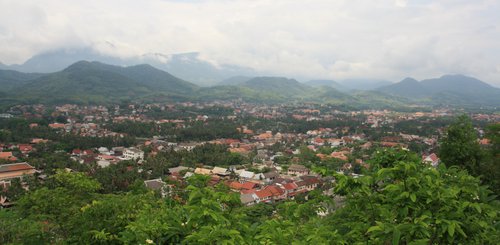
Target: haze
point(307, 39)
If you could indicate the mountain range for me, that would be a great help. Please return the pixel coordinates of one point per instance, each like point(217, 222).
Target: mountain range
point(446, 90)
point(95, 82)
point(187, 66)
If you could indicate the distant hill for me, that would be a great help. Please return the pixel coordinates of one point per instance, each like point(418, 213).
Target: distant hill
point(236, 80)
point(278, 85)
point(94, 82)
point(327, 83)
point(187, 66)
point(364, 84)
point(408, 87)
point(10, 79)
point(446, 90)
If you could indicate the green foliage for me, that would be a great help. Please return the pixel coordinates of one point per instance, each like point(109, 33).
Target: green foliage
point(408, 201)
point(398, 201)
point(459, 147)
point(490, 169)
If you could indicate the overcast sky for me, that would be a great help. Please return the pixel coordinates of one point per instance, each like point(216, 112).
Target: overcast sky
point(309, 38)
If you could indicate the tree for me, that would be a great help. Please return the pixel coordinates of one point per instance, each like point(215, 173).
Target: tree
point(491, 167)
point(407, 201)
point(460, 147)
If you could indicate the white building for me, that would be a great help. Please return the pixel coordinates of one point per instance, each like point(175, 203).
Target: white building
point(133, 153)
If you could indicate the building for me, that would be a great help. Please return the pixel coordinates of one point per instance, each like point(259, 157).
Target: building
point(157, 185)
point(12, 171)
point(15, 170)
point(133, 153)
point(8, 156)
point(298, 170)
point(431, 159)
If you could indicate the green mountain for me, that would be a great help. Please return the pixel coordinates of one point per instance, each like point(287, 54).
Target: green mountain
point(94, 82)
point(280, 86)
point(364, 84)
point(447, 90)
point(327, 83)
point(408, 87)
point(235, 80)
point(10, 79)
point(257, 89)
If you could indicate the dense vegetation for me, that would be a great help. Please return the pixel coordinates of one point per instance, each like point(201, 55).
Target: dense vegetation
point(398, 200)
point(94, 82)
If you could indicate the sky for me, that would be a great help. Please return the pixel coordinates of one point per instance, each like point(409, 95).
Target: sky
point(327, 39)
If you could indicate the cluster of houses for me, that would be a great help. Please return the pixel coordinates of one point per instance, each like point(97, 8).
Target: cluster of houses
point(105, 157)
point(253, 187)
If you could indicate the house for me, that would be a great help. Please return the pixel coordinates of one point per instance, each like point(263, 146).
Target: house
point(431, 159)
point(246, 175)
point(309, 182)
point(335, 142)
point(220, 171)
point(298, 170)
point(56, 125)
point(203, 171)
point(39, 141)
point(290, 188)
point(177, 169)
point(264, 195)
point(248, 199)
point(7, 156)
point(245, 186)
point(249, 185)
point(157, 185)
point(339, 155)
point(15, 170)
point(133, 153)
point(76, 152)
point(235, 186)
point(276, 192)
point(270, 176)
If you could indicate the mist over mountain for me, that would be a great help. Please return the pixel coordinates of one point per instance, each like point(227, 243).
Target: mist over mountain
point(187, 66)
point(95, 82)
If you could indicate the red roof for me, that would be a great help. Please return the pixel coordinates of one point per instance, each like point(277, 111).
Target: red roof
point(15, 167)
point(25, 147)
point(275, 191)
point(247, 191)
point(319, 140)
point(263, 193)
point(235, 185)
point(56, 125)
point(433, 157)
point(248, 185)
point(88, 152)
point(7, 156)
point(290, 186)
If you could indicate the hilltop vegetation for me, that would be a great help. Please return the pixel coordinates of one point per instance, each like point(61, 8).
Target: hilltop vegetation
point(93, 83)
point(398, 201)
point(446, 90)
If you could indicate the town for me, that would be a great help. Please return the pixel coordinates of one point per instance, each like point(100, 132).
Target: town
point(266, 153)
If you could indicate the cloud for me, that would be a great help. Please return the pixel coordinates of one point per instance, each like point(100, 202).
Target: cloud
point(311, 38)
